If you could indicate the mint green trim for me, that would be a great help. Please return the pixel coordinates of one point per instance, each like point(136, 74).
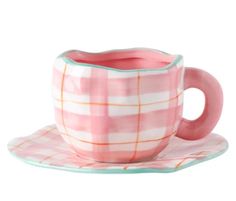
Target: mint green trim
point(122, 171)
point(178, 58)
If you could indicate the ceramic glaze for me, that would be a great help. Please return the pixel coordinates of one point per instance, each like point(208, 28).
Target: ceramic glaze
point(46, 148)
point(124, 106)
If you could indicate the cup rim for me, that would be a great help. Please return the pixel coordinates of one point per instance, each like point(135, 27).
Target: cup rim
point(178, 58)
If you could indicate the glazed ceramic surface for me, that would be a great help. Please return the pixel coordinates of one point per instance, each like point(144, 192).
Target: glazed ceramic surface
point(46, 148)
point(126, 105)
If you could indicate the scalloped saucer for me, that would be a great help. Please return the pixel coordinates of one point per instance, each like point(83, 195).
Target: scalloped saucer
point(46, 148)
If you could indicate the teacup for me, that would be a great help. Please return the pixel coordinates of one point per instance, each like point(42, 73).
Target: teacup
point(124, 106)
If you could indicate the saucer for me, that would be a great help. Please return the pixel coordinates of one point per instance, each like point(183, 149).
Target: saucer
point(46, 148)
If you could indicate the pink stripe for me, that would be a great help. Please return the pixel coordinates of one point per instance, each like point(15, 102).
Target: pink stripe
point(117, 86)
point(172, 118)
point(120, 124)
point(99, 115)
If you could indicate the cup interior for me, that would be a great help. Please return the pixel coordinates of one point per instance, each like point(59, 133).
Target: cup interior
point(129, 59)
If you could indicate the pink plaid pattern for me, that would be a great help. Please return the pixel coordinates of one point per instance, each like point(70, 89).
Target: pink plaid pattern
point(46, 148)
point(115, 116)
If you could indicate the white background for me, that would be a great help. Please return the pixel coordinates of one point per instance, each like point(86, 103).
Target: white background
point(33, 33)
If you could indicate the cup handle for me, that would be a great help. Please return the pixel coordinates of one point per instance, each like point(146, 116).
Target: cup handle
point(203, 125)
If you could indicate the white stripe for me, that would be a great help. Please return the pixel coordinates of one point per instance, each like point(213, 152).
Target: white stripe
point(113, 138)
point(155, 97)
point(155, 107)
point(73, 107)
point(89, 147)
point(79, 144)
point(147, 145)
point(113, 147)
point(131, 100)
point(128, 100)
point(122, 110)
point(75, 103)
point(112, 74)
point(132, 110)
point(153, 72)
point(145, 98)
point(113, 110)
point(81, 135)
point(72, 69)
point(121, 147)
point(129, 74)
point(69, 96)
point(152, 134)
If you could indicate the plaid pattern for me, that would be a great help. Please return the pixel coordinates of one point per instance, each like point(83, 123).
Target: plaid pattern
point(46, 148)
point(115, 116)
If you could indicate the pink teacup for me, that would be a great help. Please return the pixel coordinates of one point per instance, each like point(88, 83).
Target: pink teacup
point(124, 105)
